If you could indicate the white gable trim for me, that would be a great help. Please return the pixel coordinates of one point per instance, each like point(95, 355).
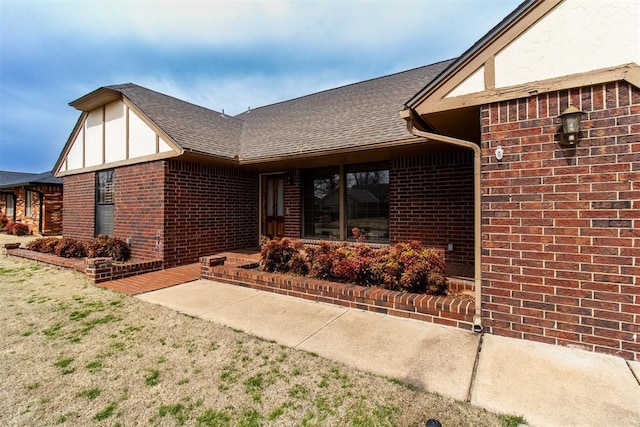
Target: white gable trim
point(112, 135)
point(548, 41)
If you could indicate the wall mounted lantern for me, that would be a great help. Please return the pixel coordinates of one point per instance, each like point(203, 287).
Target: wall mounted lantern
point(571, 125)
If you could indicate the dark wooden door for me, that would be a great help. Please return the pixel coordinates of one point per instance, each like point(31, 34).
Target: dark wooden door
point(273, 205)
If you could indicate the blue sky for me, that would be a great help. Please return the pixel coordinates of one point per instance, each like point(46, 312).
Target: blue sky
point(227, 55)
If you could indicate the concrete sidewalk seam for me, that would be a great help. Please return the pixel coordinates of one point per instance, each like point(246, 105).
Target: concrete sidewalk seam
point(476, 362)
point(323, 327)
point(633, 372)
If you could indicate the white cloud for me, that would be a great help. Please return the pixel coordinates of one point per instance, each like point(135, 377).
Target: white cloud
point(368, 25)
point(219, 54)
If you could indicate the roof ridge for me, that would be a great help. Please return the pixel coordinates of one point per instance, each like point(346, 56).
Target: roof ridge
point(119, 87)
point(344, 86)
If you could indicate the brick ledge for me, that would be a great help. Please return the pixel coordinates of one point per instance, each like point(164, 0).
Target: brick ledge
point(429, 308)
point(97, 270)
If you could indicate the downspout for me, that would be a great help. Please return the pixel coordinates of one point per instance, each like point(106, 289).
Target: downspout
point(41, 207)
point(477, 213)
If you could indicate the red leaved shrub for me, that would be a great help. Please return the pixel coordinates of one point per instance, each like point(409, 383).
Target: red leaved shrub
point(105, 246)
point(45, 245)
point(17, 228)
point(70, 248)
point(63, 247)
point(406, 266)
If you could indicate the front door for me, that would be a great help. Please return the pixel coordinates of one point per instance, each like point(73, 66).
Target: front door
point(273, 205)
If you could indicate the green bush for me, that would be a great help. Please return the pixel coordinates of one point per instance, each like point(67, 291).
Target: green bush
point(3, 221)
point(406, 266)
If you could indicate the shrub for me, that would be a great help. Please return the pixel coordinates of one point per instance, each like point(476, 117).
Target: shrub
point(43, 244)
point(69, 248)
point(422, 270)
point(406, 266)
point(3, 221)
point(105, 246)
point(321, 260)
point(63, 247)
point(17, 228)
point(276, 255)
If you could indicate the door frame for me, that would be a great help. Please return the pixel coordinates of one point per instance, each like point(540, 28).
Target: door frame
point(261, 190)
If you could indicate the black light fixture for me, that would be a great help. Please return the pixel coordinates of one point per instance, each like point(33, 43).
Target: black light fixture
point(571, 125)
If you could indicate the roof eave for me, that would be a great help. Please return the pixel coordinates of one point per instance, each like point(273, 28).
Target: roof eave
point(96, 99)
point(334, 151)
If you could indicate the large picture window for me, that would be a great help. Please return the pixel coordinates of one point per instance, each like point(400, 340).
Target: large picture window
point(335, 200)
point(321, 205)
point(104, 203)
point(367, 201)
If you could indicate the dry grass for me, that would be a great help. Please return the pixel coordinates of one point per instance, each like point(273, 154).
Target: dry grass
point(75, 354)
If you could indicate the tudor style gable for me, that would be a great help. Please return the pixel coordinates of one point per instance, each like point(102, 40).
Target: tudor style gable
point(111, 135)
point(543, 46)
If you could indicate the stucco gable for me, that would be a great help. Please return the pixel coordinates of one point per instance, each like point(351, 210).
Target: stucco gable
point(112, 135)
point(558, 41)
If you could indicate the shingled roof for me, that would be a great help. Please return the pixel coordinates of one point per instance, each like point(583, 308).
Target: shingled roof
point(18, 179)
point(358, 114)
point(192, 127)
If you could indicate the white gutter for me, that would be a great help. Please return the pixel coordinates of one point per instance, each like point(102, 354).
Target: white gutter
point(477, 213)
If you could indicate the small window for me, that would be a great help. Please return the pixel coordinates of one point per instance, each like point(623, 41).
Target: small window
point(28, 199)
point(104, 203)
point(11, 206)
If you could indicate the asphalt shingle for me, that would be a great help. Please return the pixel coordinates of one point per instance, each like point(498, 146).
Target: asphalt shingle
point(192, 127)
point(17, 179)
point(359, 114)
point(354, 115)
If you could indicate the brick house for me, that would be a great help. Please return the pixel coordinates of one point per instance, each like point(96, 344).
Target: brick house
point(479, 169)
point(32, 199)
point(559, 219)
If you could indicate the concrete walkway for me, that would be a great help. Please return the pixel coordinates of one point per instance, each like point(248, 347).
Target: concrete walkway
point(548, 385)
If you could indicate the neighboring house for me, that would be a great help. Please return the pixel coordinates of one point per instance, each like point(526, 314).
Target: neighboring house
point(32, 199)
point(479, 169)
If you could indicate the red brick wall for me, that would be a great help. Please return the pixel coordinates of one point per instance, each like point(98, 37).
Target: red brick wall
point(139, 207)
point(78, 221)
point(293, 205)
point(208, 209)
point(52, 209)
point(561, 225)
point(431, 200)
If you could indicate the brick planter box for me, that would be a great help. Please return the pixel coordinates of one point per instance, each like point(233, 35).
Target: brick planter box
point(97, 269)
point(429, 308)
